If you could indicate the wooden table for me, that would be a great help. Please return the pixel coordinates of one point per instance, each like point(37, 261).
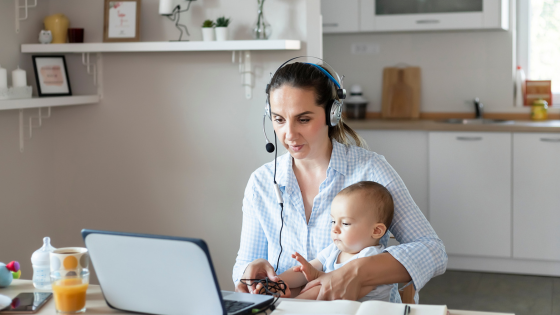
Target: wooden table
point(95, 303)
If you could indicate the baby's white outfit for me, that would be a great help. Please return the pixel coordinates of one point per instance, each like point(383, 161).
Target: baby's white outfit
point(329, 256)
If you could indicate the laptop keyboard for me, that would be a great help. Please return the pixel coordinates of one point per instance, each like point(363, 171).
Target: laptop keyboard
point(234, 306)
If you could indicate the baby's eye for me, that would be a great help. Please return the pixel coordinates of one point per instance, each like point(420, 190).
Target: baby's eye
point(346, 224)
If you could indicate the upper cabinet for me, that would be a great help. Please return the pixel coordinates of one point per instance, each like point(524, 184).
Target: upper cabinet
point(341, 16)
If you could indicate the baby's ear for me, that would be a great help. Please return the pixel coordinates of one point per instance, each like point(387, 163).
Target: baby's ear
point(379, 230)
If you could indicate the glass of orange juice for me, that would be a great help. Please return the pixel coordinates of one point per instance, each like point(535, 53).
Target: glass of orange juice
point(69, 290)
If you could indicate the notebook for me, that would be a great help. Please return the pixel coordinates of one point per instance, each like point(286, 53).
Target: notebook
point(301, 307)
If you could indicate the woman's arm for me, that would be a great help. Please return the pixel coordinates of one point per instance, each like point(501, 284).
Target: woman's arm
point(358, 277)
point(253, 244)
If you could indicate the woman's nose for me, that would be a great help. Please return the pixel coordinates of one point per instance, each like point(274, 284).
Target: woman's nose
point(291, 132)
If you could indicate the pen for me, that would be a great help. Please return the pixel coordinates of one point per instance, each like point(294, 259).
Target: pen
point(406, 310)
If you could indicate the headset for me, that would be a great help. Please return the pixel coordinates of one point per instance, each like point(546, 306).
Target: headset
point(333, 113)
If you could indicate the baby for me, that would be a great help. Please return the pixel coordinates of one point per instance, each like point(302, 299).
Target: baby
point(361, 214)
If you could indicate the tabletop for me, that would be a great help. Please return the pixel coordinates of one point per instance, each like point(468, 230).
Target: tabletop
point(95, 303)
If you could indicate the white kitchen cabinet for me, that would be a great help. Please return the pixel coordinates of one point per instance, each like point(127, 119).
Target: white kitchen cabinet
point(340, 16)
point(470, 192)
point(412, 15)
point(536, 196)
point(407, 152)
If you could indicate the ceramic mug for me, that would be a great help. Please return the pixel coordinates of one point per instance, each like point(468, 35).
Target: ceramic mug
point(69, 259)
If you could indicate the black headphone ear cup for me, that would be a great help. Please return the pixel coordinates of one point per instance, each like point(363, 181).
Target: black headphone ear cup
point(328, 112)
point(335, 113)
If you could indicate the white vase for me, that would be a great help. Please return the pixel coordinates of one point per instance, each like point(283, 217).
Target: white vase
point(207, 34)
point(221, 33)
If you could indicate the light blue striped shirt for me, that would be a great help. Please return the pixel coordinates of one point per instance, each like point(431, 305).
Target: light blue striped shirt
point(420, 251)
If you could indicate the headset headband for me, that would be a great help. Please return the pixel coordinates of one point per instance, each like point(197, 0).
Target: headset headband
point(338, 81)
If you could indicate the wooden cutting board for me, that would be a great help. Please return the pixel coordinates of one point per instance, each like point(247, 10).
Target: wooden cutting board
point(401, 93)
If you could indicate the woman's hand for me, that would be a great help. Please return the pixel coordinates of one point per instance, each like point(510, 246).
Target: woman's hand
point(340, 284)
point(286, 294)
point(258, 269)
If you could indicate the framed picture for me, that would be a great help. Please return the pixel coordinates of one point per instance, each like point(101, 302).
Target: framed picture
point(121, 21)
point(51, 75)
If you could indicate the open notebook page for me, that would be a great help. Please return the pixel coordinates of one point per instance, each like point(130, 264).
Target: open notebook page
point(297, 307)
point(386, 308)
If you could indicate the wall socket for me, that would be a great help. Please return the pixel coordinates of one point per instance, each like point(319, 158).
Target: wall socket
point(365, 48)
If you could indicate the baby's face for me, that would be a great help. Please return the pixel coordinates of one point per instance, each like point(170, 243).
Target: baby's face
point(352, 223)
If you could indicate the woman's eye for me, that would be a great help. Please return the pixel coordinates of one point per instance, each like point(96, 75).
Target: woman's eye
point(332, 222)
point(304, 120)
point(278, 120)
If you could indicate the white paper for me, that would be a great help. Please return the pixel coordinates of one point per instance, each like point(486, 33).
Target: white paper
point(122, 19)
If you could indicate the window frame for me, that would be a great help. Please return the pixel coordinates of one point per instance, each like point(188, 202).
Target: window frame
point(524, 42)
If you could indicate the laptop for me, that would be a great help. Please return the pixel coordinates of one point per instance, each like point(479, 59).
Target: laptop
point(156, 274)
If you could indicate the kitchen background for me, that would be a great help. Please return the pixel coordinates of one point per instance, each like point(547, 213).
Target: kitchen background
point(172, 144)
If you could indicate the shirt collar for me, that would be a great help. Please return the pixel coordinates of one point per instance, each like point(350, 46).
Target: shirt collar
point(338, 163)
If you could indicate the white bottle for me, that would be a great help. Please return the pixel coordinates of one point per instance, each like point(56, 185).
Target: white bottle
point(42, 265)
point(519, 87)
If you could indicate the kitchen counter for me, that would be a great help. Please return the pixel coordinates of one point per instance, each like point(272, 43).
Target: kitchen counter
point(435, 125)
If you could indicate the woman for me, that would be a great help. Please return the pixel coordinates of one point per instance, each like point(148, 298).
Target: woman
point(321, 161)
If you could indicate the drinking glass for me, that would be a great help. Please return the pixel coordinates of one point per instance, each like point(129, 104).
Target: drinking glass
point(69, 290)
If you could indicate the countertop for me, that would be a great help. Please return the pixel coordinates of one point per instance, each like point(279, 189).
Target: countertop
point(436, 125)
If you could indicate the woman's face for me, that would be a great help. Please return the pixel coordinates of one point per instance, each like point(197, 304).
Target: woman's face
point(299, 122)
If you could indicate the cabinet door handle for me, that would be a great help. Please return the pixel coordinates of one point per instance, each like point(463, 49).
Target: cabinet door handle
point(469, 138)
point(550, 139)
point(330, 24)
point(427, 21)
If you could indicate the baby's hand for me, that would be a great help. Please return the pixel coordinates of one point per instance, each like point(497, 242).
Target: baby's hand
point(306, 268)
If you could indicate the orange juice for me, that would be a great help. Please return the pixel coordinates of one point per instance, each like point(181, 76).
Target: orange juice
point(69, 295)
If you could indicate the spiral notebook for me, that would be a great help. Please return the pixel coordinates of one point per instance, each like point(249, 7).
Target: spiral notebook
point(302, 307)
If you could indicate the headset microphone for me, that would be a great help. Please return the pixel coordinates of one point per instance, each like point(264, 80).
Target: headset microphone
point(270, 147)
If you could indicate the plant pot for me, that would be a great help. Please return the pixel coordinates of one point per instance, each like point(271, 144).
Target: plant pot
point(221, 33)
point(208, 34)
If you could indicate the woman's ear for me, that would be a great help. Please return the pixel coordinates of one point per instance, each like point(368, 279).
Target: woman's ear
point(379, 230)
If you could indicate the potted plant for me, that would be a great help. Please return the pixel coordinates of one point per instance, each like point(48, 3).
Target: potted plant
point(222, 28)
point(208, 30)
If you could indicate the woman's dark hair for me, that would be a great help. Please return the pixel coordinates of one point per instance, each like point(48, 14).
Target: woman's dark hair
point(306, 76)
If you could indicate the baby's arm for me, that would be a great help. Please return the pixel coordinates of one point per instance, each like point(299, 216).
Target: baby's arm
point(310, 294)
point(311, 270)
point(300, 275)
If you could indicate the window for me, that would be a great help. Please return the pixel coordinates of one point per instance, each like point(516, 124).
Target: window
point(538, 51)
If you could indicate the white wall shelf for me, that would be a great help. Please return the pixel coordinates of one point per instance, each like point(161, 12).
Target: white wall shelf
point(244, 47)
point(232, 45)
point(41, 102)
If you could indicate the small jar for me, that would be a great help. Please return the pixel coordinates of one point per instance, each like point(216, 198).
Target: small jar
point(539, 110)
point(356, 104)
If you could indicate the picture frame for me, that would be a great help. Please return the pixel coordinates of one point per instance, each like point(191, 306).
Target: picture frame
point(51, 75)
point(121, 21)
